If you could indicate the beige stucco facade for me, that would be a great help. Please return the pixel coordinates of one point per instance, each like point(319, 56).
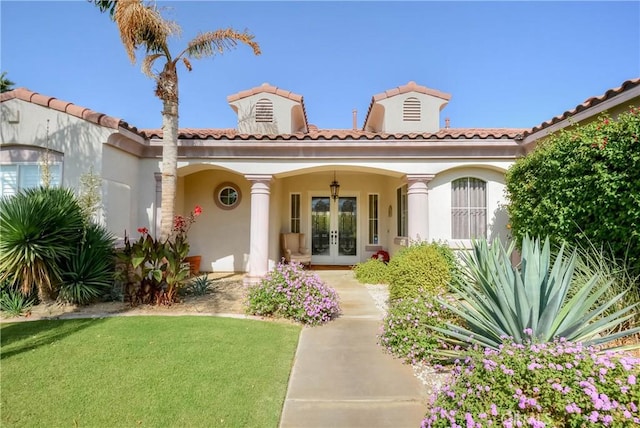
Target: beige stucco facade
point(408, 165)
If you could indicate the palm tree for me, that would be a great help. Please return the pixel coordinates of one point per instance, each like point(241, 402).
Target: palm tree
point(5, 84)
point(142, 25)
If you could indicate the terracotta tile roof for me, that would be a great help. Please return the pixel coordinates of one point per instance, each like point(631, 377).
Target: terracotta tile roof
point(409, 87)
point(87, 114)
point(588, 103)
point(343, 134)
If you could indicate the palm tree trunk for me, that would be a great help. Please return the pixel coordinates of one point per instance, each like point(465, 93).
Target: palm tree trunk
point(169, 167)
point(167, 91)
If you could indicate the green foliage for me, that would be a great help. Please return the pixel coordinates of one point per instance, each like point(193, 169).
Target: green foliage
point(559, 384)
point(5, 84)
point(200, 285)
point(593, 261)
point(502, 301)
point(406, 331)
point(13, 302)
point(582, 184)
point(373, 271)
point(89, 274)
point(40, 229)
point(418, 269)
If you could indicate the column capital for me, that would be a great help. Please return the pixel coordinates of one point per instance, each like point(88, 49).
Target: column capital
point(421, 178)
point(263, 178)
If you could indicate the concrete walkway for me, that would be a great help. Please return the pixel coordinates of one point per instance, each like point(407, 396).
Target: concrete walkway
point(342, 379)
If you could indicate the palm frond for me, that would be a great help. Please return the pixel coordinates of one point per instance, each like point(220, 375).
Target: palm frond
point(216, 42)
point(147, 63)
point(142, 25)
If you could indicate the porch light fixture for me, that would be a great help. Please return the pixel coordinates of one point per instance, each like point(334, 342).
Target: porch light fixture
point(335, 187)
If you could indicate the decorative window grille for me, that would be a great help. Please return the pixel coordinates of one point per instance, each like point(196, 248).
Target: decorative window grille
point(411, 110)
point(373, 220)
point(403, 211)
point(468, 208)
point(295, 213)
point(264, 111)
point(18, 176)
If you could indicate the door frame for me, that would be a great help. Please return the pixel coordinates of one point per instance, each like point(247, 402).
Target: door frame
point(334, 258)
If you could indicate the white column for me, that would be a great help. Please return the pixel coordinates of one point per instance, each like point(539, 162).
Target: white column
point(259, 232)
point(418, 206)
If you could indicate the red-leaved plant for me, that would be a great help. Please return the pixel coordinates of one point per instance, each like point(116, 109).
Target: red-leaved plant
point(154, 270)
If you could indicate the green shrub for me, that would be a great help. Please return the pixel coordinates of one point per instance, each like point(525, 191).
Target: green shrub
point(558, 384)
point(582, 184)
point(418, 269)
point(291, 292)
point(13, 302)
point(89, 274)
point(593, 261)
point(406, 331)
point(373, 271)
point(200, 285)
point(40, 228)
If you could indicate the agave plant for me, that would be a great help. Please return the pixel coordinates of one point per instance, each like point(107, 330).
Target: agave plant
point(90, 272)
point(532, 301)
point(40, 227)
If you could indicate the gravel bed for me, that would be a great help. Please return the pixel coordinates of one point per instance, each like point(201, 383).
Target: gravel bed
point(431, 379)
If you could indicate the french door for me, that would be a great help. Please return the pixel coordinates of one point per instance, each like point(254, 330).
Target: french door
point(334, 230)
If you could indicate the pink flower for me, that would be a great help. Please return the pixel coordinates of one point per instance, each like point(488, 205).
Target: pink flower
point(143, 230)
point(197, 210)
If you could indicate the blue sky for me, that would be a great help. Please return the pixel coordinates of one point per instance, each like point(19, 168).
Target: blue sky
point(506, 64)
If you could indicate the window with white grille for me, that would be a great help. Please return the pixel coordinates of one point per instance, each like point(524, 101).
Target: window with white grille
point(402, 207)
point(411, 110)
point(295, 212)
point(373, 219)
point(468, 208)
point(264, 111)
point(18, 176)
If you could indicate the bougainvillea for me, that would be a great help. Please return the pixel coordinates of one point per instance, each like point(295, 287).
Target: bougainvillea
point(582, 184)
point(557, 384)
point(291, 292)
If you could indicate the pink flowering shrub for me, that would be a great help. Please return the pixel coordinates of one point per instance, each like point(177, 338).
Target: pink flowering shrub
point(291, 292)
point(555, 384)
point(406, 330)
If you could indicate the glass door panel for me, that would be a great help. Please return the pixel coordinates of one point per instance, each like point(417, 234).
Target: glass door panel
point(320, 225)
point(347, 226)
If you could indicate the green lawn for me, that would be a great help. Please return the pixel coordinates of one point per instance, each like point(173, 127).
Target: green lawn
point(145, 372)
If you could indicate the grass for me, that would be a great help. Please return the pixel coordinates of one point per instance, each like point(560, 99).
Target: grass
point(145, 372)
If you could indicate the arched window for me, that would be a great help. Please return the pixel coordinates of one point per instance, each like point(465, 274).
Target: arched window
point(468, 208)
point(411, 110)
point(264, 111)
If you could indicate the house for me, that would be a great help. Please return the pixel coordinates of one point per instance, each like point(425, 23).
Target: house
point(402, 177)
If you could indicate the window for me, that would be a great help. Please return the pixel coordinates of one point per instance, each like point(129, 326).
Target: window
point(403, 211)
point(295, 213)
point(411, 110)
point(227, 196)
point(264, 111)
point(468, 208)
point(18, 176)
point(373, 219)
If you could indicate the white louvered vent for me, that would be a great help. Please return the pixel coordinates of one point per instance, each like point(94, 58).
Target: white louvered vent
point(264, 111)
point(411, 110)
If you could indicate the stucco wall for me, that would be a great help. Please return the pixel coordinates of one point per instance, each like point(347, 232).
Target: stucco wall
point(282, 115)
point(393, 113)
point(120, 192)
point(220, 236)
point(440, 205)
point(80, 141)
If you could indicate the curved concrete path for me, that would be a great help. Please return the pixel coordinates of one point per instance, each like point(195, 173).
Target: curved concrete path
point(342, 379)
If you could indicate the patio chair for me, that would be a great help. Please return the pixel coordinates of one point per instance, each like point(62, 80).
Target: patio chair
point(294, 248)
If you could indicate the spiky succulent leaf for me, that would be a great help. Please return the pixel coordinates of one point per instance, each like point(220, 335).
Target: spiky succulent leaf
point(500, 300)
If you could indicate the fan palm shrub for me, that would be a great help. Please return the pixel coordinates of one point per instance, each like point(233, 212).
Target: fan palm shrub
point(40, 227)
point(89, 274)
point(500, 302)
